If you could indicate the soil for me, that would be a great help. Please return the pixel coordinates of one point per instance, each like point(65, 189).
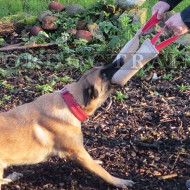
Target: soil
point(143, 137)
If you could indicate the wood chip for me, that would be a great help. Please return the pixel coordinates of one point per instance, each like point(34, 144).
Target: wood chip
point(168, 176)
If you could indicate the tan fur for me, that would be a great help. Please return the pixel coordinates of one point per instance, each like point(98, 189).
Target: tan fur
point(30, 133)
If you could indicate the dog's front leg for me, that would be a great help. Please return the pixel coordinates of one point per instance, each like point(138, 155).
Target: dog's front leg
point(84, 159)
point(3, 180)
point(1, 175)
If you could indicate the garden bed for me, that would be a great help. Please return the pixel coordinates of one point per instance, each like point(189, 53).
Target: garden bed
point(142, 132)
point(143, 136)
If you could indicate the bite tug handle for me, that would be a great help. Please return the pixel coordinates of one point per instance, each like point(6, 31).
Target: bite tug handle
point(150, 23)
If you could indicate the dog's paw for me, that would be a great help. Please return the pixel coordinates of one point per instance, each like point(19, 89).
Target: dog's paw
point(5, 181)
point(123, 183)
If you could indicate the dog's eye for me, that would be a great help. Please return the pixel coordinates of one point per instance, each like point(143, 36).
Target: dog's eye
point(104, 75)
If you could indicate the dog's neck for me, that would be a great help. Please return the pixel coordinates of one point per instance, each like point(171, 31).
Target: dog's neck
point(74, 107)
point(77, 91)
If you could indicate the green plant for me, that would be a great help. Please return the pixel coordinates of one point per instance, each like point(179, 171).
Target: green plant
point(173, 57)
point(7, 86)
point(65, 21)
point(108, 28)
point(3, 72)
point(6, 97)
point(121, 96)
point(44, 88)
point(41, 38)
point(62, 39)
point(2, 41)
point(73, 62)
point(64, 79)
point(141, 73)
point(168, 76)
point(183, 87)
point(26, 60)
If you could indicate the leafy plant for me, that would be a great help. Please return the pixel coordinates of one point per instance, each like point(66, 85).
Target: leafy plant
point(6, 97)
point(2, 41)
point(121, 96)
point(73, 62)
point(7, 86)
point(168, 76)
point(140, 73)
point(64, 79)
point(44, 88)
point(3, 72)
point(26, 60)
point(183, 87)
point(108, 28)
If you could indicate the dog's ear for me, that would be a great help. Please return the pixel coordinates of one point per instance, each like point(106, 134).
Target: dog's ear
point(89, 94)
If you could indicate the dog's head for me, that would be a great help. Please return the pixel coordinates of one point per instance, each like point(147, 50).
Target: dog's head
point(96, 85)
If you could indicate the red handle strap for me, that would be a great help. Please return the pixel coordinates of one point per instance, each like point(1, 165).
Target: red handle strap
point(150, 23)
point(153, 41)
point(164, 43)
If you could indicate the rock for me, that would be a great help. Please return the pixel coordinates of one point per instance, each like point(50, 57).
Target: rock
point(109, 8)
point(95, 30)
point(138, 15)
point(155, 77)
point(184, 40)
point(71, 31)
point(55, 6)
point(81, 25)
point(15, 176)
point(73, 9)
point(44, 14)
point(83, 34)
point(129, 4)
point(48, 23)
point(35, 30)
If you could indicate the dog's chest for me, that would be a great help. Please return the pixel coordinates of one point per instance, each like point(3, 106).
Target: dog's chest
point(66, 116)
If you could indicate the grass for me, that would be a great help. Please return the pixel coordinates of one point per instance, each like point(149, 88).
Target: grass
point(35, 6)
point(150, 3)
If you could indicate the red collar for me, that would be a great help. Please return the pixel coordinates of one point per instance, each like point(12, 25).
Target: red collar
point(73, 105)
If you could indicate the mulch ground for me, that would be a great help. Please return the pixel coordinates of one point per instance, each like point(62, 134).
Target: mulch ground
point(144, 137)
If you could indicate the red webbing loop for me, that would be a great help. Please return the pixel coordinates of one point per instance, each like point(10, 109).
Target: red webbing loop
point(153, 41)
point(166, 43)
point(150, 23)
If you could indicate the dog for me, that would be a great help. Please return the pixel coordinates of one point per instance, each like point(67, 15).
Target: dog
point(30, 133)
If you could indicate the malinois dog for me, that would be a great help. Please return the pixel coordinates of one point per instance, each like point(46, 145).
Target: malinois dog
point(30, 133)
